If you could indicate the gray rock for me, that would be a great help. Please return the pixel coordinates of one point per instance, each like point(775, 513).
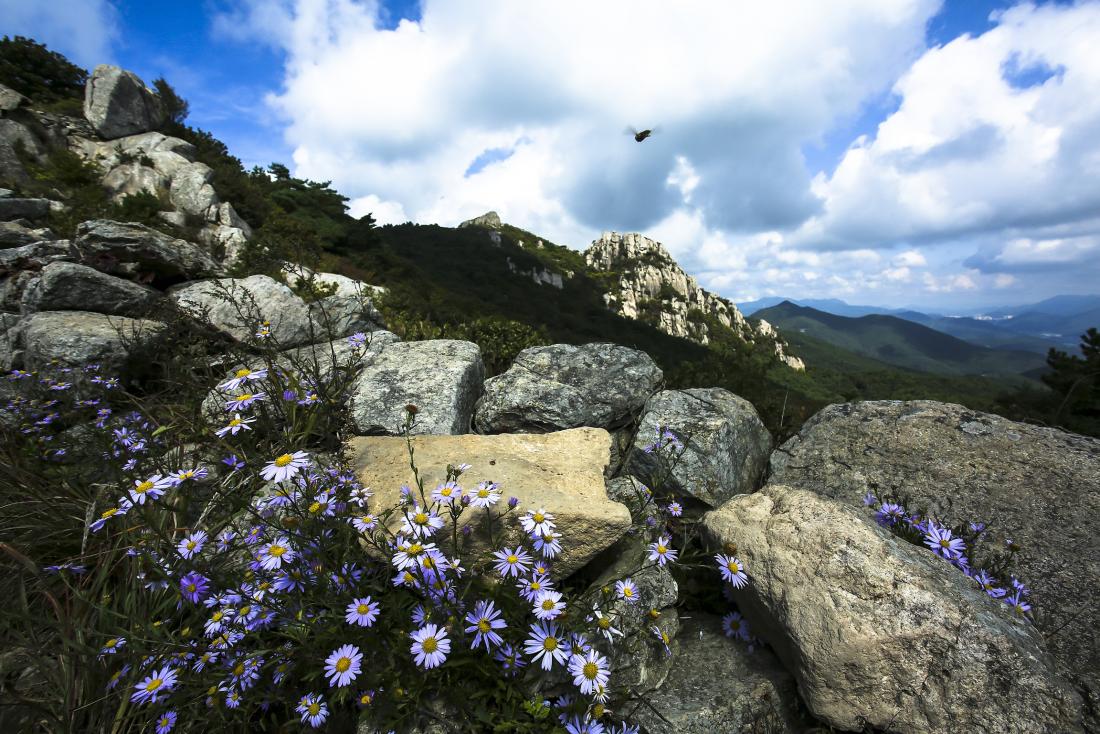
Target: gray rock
point(129, 248)
point(725, 444)
point(32, 209)
point(566, 386)
point(132, 178)
point(17, 134)
point(345, 314)
point(10, 99)
point(227, 242)
point(11, 352)
point(16, 234)
point(190, 190)
point(5, 193)
point(716, 686)
point(442, 377)
point(176, 219)
point(33, 256)
point(64, 286)
point(880, 633)
point(117, 103)
point(79, 337)
point(489, 220)
point(1038, 486)
point(166, 153)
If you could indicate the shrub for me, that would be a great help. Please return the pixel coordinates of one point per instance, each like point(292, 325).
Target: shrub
point(41, 75)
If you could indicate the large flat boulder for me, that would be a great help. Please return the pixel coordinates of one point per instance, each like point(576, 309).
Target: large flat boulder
point(883, 634)
point(33, 209)
point(567, 386)
point(561, 472)
point(18, 233)
point(65, 286)
point(441, 377)
point(80, 337)
point(117, 103)
point(129, 248)
point(725, 443)
point(1038, 486)
point(191, 191)
point(716, 686)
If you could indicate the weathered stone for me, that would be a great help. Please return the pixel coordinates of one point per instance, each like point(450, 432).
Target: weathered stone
point(64, 286)
point(342, 285)
point(489, 220)
point(133, 178)
point(80, 337)
point(33, 256)
point(129, 248)
point(566, 386)
point(226, 215)
point(560, 472)
point(117, 103)
point(726, 444)
point(1038, 486)
point(176, 219)
point(880, 633)
point(11, 353)
point(15, 234)
point(226, 242)
point(18, 135)
point(442, 377)
point(12, 208)
point(345, 314)
point(166, 153)
point(190, 190)
point(10, 99)
point(716, 686)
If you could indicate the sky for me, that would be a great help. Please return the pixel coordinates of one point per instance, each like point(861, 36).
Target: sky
point(918, 153)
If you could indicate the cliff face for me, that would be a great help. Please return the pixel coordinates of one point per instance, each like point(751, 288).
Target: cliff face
point(650, 286)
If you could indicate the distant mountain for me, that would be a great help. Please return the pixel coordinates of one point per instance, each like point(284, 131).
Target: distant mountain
point(989, 334)
point(834, 306)
point(1056, 306)
point(901, 342)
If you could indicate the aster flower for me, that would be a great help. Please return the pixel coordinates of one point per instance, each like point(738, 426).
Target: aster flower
point(940, 540)
point(675, 509)
point(662, 637)
point(273, 555)
point(357, 339)
point(343, 665)
point(192, 545)
point(627, 590)
point(313, 709)
point(109, 513)
point(233, 699)
point(111, 646)
point(889, 513)
point(546, 644)
point(537, 523)
point(184, 475)
point(158, 683)
point(510, 659)
point(166, 721)
point(549, 544)
point(242, 376)
point(245, 400)
point(548, 605)
point(589, 671)
point(362, 612)
point(447, 493)
point(285, 466)
point(430, 646)
point(112, 683)
point(235, 426)
point(366, 698)
point(529, 588)
point(193, 587)
point(485, 495)
point(421, 522)
point(151, 488)
point(233, 462)
point(661, 551)
point(604, 624)
point(484, 621)
point(1018, 603)
point(512, 562)
point(869, 499)
point(734, 625)
point(733, 571)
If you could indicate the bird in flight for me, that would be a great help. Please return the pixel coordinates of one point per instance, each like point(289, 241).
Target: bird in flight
point(639, 135)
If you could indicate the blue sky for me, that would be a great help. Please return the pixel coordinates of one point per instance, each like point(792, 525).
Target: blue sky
point(902, 152)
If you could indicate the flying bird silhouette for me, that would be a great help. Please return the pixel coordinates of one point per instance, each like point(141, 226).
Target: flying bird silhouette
point(640, 135)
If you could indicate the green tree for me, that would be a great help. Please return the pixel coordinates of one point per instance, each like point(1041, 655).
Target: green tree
point(175, 107)
point(1076, 382)
point(39, 74)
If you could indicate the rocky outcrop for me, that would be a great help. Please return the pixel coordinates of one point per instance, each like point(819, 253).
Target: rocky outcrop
point(880, 633)
point(565, 386)
point(117, 103)
point(441, 377)
point(18, 233)
point(1038, 486)
point(15, 208)
point(488, 220)
point(10, 99)
point(726, 445)
point(132, 248)
point(80, 337)
point(561, 472)
point(65, 286)
point(716, 686)
point(651, 287)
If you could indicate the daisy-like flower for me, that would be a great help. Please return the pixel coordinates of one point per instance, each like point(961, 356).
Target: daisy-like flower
point(1018, 603)
point(166, 721)
point(675, 509)
point(233, 462)
point(285, 466)
point(343, 665)
point(510, 659)
point(111, 646)
point(362, 612)
point(109, 513)
point(578, 724)
point(194, 587)
point(184, 475)
point(889, 513)
point(242, 376)
point(430, 646)
point(940, 540)
point(484, 621)
point(421, 522)
point(512, 562)
point(605, 625)
point(313, 709)
point(548, 605)
point(589, 671)
point(242, 401)
point(157, 684)
point(150, 488)
point(530, 588)
point(537, 523)
point(546, 644)
point(447, 493)
point(364, 523)
point(662, 637)
point(486, 494)
point(627, 590)
point(112, 683)
point(549, 545)
point(662, 551)
point(273, 555)
point(235, 425)
point(734, 625)
point(192, 545)
point(732, 570)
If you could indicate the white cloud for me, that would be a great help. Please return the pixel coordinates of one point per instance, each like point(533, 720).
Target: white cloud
point(82, 30)
point(910, 259)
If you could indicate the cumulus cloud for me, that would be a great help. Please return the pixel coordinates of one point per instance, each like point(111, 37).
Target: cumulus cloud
point(83, 30)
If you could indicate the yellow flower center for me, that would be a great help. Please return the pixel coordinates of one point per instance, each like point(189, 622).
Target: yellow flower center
point(627, 591)
point(733, 567)
point(429, 645)
point(191, 545)
point(243, 611)
point(191, 588)
point(112, 642)
point(235, 422)
point(661, 549)
point(482, 493)
point(547, 604)
point(535, 586)
point(414, 549)
point(550, 643)
point(163, 721)
point(513, 558)
point(276, 550)
point(217, 616)
point(186, 474)
point(143, 487)
point(343, 664)
point(239, 669)
point(446, 491)
point(314, 708)
point(539, 517)
point(283, 460)
point(420, 518)
point(363, 608)
point(244, 372)
point(604, 623)
point(409, 578)
point(484, 625)
point(245, 397)
point(315, 508)
point(154, 685)
point(590, 671)
point(366, 699)
point(108, 513)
